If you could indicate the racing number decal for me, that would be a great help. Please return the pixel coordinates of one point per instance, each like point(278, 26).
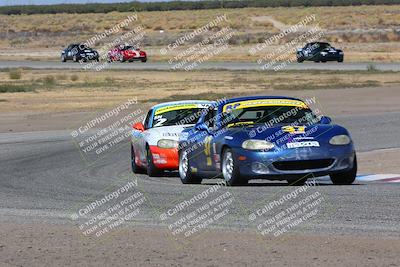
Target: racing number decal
point(159, 121)
point(207, 149)
point(294, 129)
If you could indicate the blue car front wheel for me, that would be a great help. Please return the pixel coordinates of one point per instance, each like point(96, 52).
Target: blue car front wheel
point(345, 178)
point(230, 170)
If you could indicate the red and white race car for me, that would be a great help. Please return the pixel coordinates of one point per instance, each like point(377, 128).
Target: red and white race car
point(124, 53)
point(154, 143)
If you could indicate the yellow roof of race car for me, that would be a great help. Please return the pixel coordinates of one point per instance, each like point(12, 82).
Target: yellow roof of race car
point(264, 102)
point(177, 106)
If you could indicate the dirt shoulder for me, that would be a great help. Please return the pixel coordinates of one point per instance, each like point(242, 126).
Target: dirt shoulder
point(371, 161)
point(57, 91)
point(62, 245)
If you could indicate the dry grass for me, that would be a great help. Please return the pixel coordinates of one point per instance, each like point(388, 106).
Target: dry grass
point(152, 21)
point(344, 17)
point(41, 37)
point(103, 89)
point(339, 17)
point(60, 29)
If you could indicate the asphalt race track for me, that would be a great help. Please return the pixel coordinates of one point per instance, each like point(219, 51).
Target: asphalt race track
point(44, 179)
point(205, 65)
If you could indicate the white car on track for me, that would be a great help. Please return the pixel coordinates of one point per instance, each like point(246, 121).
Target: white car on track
point(154, 142)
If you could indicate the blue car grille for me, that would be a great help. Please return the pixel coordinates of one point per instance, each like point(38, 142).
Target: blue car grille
point(296, 165)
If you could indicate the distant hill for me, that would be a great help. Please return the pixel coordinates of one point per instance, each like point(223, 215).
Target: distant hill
point(179, 5)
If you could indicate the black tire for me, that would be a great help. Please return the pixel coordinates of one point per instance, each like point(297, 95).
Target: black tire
point(185, 172)
point(63, 58)
point(299, 60)
point(323, 61)
point(297, 182)
point(340, 60)
point(152, 170)
point(230, 170)
point(74, 59)
point(316, 61)
point(144, 60)
point(345, 178)
point(135, 168)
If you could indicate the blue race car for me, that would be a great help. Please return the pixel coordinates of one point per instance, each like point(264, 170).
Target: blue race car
point(265, 137)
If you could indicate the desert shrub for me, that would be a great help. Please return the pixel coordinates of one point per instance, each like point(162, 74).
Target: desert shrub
point(15, 74)
point(74, 77)
point(157, 28)
point(15, 88)
point(49, 80)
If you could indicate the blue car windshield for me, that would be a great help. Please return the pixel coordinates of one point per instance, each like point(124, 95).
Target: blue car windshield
point(273, 115)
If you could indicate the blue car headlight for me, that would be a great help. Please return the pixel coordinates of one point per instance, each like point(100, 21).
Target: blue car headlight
point(255, 144)
point(340, 140)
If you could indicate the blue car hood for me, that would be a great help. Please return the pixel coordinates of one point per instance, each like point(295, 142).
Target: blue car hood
point(283, 134)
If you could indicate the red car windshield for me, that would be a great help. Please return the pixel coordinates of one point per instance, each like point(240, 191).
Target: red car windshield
point(129, 48)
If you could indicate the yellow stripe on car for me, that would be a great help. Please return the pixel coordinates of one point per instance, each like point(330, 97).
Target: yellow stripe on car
point(264, 102)
point(175, 107)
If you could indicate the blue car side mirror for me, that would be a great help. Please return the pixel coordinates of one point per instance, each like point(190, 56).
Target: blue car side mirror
point(325, 120)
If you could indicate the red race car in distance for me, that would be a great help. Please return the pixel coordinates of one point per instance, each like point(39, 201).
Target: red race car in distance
point(124, 53)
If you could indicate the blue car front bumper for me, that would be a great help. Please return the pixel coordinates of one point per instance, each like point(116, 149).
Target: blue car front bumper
point(294, 163)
